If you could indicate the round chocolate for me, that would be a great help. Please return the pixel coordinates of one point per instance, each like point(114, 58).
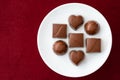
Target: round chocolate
point(60, 47)
point(91, 27)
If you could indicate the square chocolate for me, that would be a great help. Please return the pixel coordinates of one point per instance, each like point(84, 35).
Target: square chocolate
point(76, 40)
point(93, 45)
point(59, 30)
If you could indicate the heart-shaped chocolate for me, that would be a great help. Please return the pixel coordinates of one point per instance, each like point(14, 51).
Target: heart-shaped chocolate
point(76, 56)
point(75, 21)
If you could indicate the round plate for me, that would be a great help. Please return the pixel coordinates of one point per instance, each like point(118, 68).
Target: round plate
point(62, 64)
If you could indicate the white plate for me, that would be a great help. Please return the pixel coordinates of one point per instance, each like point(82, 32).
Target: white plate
point(62, 64)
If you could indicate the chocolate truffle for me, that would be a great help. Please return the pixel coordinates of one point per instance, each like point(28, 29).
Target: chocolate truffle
point(59, 30)
point(60, 47)
point(75, 21)
point(76, 40)
point(93, 45)
point(76, 56)
point(91, 27)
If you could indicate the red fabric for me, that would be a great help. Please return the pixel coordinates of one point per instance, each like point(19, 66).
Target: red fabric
point(19, 23)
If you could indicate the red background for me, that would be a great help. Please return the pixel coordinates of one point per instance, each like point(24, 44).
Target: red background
point(19, 23)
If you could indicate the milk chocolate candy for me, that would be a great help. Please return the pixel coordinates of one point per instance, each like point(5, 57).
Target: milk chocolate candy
point(93, 45)
point(76, 40)
point(59, 30)
point(60, 47)
point(75, 21)
point(91, 27)
point(76, 56)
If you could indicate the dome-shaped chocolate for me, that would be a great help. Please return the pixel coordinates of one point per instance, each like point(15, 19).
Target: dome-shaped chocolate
point(91, 27)
point(60, 47)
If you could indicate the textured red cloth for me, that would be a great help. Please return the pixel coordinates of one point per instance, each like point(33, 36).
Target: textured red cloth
point(19, 23)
